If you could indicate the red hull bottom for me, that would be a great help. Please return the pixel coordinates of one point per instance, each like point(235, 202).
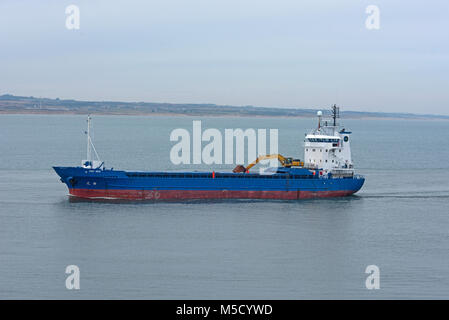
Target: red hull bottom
point(203, 194)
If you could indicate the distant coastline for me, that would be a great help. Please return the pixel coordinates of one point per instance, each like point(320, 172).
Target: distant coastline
point(10, 104)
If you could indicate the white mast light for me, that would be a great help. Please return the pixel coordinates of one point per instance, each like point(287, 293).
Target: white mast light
point(319, 114)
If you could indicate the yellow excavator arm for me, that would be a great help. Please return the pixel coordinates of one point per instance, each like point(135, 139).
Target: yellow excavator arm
point(285, 162)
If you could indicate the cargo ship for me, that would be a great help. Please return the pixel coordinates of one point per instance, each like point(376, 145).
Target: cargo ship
point(326, 171)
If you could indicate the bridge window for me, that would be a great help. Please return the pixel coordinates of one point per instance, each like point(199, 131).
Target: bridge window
point(329, 140)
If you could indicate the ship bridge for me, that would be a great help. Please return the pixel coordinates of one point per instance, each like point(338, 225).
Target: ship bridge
point(328, 147)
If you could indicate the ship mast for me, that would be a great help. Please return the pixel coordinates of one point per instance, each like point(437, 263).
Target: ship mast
point(335, 114)
point(89, 152)
point(90, 146)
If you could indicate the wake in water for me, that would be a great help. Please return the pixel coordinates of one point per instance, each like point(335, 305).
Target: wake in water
point(440, 194)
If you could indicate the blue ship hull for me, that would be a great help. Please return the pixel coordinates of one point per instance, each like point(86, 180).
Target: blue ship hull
point(285, 183)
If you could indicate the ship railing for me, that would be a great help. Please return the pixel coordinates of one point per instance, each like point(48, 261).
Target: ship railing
point(310, 166)
point(342, 173)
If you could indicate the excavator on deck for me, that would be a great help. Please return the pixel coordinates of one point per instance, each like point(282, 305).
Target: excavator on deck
point(284, 161)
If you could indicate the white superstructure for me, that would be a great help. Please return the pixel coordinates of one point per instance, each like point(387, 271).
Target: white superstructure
point(328, 147)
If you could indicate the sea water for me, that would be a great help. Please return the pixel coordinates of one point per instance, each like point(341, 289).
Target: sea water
point(398, 221)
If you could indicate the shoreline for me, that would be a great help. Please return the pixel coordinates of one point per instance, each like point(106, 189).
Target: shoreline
point(160, 114)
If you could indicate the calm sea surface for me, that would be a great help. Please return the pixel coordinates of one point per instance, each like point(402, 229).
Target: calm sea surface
point(399, 221)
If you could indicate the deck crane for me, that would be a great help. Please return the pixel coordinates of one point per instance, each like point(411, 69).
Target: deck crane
point(284, 161)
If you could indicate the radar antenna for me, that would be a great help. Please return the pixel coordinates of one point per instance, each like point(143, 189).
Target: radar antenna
point(335, 114)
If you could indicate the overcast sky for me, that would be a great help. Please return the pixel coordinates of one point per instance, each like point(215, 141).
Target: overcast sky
point(275, 53)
